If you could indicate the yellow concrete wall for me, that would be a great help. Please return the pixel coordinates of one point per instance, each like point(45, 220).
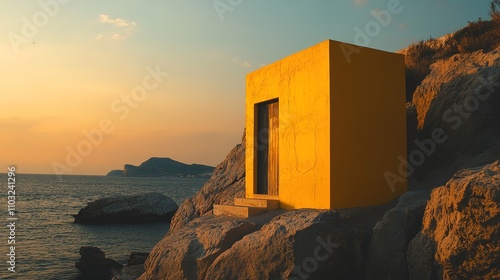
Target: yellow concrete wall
point(342, 125)
point(368, 124)
point(301, 82)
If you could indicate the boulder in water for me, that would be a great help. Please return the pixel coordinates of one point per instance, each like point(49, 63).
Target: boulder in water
point(94, 264)
point(149, 207)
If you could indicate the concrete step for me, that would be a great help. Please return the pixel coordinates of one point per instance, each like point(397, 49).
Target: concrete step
point(268, 204)
point(265, 196)
point(237, 211)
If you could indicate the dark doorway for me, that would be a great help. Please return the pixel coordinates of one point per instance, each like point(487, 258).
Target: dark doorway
point(267, 147)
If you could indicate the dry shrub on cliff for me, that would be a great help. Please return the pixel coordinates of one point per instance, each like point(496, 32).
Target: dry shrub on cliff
point(419, 57)
point(478, 35)
point(495, 10)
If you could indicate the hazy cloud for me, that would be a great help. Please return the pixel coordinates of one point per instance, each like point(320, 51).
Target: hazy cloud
point(123, 28)
point(117, 21)
point(241, 62)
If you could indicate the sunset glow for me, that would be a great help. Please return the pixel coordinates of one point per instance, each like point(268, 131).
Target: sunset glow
point(165, 78)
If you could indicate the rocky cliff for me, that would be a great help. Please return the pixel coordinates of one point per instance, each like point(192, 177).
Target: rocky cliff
point(460, 236)
point(283, 245)
point(457, 112)
point(226, 183)
point(450, 232)
point(458, 239)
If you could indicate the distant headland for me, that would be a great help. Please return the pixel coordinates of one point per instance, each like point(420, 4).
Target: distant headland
point(163, 167)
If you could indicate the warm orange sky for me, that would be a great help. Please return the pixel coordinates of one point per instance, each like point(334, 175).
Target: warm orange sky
point(52, 101)
point(67, 66)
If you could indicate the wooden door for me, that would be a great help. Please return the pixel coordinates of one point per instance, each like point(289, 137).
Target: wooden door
point(267, 148)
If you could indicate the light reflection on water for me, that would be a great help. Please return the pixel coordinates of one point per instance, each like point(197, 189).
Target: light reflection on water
point(47, 240)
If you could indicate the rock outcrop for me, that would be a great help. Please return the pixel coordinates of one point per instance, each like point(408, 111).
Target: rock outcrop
point(136, 258)
point(300, 244)
point(188, 253)
point(129, 272)
point(457, 111)
point(296, 244)
point(94, 265)
point(460, 238)
point(460, 76)
point(291, 244)
point(226, 183)
point(128, 209)
point(134, 267)
point(386, 257)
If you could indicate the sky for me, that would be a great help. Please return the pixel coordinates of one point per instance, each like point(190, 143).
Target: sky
point(88, 86)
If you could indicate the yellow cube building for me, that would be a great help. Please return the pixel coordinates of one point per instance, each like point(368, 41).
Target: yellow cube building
point(324, 125)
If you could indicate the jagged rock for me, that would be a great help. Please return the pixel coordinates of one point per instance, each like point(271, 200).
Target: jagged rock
point(136, 258)
point(391, 236)
point(226, 183)
point(451, 74)
point(459, 101)
point(94, 264)
point(128, 209)
point(313, 243)
point(300, 244)
point(187, 253)
point(460, 238)
point(134, 267)
point(130, 272)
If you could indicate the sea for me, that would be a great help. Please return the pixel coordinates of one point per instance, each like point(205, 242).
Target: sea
point(47, 242)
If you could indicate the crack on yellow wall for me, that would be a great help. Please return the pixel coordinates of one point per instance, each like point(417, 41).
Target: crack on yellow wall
point(312, 165)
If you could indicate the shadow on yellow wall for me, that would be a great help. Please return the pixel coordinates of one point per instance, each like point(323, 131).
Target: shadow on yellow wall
point(338, 124)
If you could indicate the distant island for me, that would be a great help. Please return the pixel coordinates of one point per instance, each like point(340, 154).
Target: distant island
point(163, 167)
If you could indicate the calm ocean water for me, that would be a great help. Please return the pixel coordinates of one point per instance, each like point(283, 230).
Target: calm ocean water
point(47, 240)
